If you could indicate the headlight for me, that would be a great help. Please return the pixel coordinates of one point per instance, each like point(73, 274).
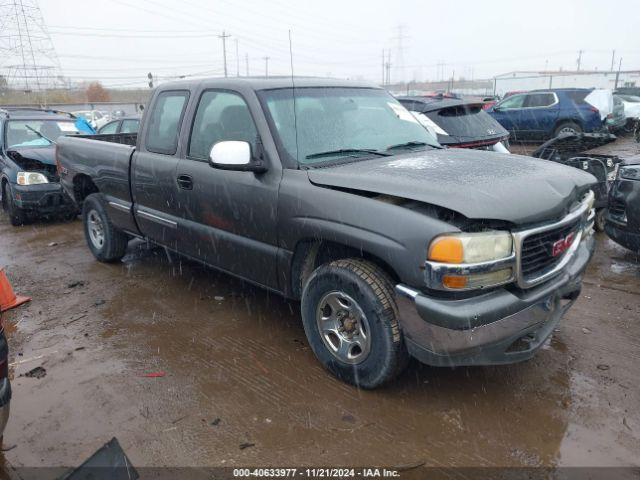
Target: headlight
point(471, 247)
point(466, 261)
point(31, 178)
point(630, 172)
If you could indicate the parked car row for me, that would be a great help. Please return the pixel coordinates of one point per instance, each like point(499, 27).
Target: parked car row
point(98, 119)
point(543, 114)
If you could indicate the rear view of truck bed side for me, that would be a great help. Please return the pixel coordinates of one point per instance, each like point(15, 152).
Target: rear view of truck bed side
point(99, 163)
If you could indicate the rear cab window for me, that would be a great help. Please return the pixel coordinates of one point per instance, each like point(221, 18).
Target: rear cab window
point(165, 120)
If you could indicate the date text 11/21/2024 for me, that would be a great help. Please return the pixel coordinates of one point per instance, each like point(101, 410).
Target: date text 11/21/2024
point(316, 473)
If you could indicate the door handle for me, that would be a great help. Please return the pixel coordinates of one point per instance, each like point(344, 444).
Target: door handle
point(185, 182)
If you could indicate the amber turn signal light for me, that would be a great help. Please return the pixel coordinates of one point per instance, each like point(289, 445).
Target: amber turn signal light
point(446, 250)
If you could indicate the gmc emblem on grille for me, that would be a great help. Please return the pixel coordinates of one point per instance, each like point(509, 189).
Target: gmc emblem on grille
point(562, 245)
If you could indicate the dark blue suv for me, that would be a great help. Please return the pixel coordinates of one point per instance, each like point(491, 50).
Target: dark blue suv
point(29, 182)
point(542, 114)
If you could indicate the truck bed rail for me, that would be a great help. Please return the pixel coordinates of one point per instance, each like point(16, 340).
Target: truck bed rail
point(123, 138)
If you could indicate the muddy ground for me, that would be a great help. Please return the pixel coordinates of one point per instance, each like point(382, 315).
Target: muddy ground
point(241, 387)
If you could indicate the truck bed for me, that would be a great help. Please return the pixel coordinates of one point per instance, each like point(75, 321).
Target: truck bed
point(89, 163)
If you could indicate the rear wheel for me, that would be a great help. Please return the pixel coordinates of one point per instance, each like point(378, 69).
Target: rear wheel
point(351, 321)
point(105, 242)
point(571, 128)
point(16, 214)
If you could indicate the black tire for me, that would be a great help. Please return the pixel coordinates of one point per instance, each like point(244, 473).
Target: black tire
point(567, 127)
point(372, 290)
point(114, 243)
point(16, 214)
point(599, 221)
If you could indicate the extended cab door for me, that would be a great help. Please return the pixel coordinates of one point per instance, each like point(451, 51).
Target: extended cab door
point(229, 217)
point(153, 173)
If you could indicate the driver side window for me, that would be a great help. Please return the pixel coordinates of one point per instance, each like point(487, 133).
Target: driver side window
point(221, 116)
point(516, 101)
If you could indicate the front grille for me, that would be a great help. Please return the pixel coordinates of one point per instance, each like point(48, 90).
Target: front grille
point(536, 253)
point(616, 207)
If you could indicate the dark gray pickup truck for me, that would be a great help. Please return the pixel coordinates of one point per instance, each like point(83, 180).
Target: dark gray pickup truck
point(332, 193)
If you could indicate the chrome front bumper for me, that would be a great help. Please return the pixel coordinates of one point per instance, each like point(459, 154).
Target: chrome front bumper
point(500, 326)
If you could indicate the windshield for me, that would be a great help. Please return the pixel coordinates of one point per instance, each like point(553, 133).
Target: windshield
point(347, 121)
point(37, 133)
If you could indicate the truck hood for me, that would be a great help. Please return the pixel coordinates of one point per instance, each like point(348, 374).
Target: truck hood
point(43, 154)
point(477, 184)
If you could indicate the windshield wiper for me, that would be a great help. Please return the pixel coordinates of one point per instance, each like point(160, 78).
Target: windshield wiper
point(40, 135)
point(409, 145)
point(347, 151)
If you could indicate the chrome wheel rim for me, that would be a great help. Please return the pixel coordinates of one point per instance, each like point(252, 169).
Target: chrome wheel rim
point(96, 229)
point(343, 327)
point(570, 130)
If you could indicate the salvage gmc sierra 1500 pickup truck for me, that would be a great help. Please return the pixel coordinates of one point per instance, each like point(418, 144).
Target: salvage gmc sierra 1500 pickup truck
point(332, 193)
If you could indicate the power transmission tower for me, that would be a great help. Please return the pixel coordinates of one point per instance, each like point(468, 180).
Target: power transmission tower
point(387, 66)
point(399, 38)
point(28, 60)
point(224, 37)
point(579, 61)
point(266, 66)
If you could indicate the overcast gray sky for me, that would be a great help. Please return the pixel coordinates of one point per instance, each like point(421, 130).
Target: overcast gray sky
point(119, 41)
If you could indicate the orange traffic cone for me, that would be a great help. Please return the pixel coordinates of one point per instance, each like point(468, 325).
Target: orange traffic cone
point(8, 299)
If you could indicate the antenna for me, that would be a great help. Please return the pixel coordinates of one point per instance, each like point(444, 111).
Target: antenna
point(293, 85)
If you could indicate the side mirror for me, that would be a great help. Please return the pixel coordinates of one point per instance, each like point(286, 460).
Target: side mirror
point(234, 155)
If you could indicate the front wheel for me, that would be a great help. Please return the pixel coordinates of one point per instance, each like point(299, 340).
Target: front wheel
point(16, 214)
point(351, 322)
point(105, 242)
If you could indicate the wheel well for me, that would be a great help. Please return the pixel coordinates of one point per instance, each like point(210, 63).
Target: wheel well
point(83, 186)
point(568, 120)
point(310, 254)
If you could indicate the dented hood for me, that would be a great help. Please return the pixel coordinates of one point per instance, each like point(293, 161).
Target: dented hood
point(477, 184)
point(42, 154)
